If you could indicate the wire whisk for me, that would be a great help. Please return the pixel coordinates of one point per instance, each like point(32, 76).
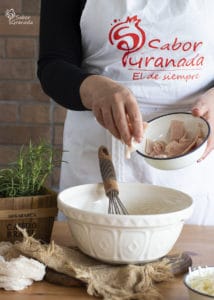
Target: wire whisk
point(110, 182)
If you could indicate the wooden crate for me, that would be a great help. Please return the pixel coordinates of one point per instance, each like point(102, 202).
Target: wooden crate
point(35, 213)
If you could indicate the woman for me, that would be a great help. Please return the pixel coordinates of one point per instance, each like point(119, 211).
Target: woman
point(114, 64)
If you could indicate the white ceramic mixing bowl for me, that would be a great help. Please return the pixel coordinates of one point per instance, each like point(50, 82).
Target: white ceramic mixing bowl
point(158, 130)
point(155, 220)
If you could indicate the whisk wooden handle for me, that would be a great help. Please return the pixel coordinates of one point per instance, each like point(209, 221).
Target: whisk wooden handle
point(107, 170)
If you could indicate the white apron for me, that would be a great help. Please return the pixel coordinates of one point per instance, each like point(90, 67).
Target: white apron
point(163, 52)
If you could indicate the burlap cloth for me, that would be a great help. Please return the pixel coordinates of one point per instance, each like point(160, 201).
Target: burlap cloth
point(111, 282)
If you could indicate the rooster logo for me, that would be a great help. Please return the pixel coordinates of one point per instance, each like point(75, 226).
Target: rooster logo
point(128, 36)
point(10, 13)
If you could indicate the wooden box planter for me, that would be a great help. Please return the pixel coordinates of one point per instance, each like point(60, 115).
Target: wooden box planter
point(35, 213)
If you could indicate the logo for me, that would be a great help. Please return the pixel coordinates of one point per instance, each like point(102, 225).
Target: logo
point(128, 36)
point(10, 13)
point(165, 57)
point(15, 19)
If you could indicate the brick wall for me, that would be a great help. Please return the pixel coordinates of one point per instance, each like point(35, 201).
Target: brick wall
point(26, 113)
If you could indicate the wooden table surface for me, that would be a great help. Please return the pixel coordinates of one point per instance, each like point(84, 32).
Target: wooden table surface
point(199, 240)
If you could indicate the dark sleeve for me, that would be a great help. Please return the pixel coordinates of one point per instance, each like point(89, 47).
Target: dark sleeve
point(60, 52)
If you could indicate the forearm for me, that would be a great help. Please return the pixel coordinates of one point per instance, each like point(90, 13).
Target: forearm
point(60, 52)
point(61, 81)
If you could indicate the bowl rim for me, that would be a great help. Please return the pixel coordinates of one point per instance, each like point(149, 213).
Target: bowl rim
point(131, 216)
point(193, 290)
point(181, 155)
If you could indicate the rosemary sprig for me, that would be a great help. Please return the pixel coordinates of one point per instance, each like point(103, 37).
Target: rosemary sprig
point(27, 175)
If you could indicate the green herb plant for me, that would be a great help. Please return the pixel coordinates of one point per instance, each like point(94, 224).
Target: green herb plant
point(28, 174)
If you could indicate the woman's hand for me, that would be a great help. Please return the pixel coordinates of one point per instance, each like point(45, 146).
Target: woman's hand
point(204, 107)
point(114, 107)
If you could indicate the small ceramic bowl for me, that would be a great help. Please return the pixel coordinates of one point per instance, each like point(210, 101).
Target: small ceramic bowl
point(155, 220)
point(199, 283)
point(158, 129)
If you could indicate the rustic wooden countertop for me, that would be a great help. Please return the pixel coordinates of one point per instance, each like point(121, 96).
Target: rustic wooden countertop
point(199, 240)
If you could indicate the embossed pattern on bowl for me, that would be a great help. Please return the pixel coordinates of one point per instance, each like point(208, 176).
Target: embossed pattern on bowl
point(155, 220)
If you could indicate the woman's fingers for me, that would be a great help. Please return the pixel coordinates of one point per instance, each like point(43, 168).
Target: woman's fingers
point(204, 107)
point(135, 120)
point(114, 107)
point(209, 116)
point(104, 117)
point(200, 108)
point(121, 122)
point(98, 115)
point(109, 122)
point(207, 151)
